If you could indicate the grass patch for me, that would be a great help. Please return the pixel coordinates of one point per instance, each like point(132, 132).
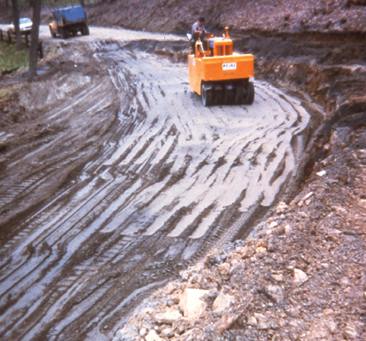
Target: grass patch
point(7, 92)
point(12, 59)
point(4, 93)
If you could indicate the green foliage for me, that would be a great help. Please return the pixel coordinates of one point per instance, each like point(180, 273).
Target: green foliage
point(12, 59)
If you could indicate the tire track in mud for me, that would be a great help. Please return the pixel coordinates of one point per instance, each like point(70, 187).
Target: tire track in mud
point(172, 180)
point(43, 159)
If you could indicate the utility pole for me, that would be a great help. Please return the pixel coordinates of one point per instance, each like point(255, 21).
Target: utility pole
point(34, 46)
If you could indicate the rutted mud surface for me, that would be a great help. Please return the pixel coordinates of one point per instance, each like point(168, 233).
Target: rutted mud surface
point(170, 180)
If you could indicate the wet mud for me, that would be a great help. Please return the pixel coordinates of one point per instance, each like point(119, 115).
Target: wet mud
point(139, 181)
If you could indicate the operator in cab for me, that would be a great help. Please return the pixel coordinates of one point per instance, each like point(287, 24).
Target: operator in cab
point(198, 31)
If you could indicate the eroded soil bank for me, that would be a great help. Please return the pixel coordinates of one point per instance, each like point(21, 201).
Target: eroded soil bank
point(262, 15)
point(291, 16)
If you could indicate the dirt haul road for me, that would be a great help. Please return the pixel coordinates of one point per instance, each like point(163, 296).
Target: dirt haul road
point(169, 180)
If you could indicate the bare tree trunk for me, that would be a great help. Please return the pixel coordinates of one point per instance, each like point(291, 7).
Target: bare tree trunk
point(15, 10)
point(33, 51)
point(82, 3)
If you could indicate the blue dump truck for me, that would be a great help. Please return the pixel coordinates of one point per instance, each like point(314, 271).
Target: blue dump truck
point(68, 21)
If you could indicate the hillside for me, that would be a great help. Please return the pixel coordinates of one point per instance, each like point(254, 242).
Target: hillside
point(263, 15)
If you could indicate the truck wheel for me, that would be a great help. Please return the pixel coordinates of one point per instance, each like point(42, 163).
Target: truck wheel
point(53, 34)
point(64, 34)
point(85, 30)
point(206, 96)
point(249, 95)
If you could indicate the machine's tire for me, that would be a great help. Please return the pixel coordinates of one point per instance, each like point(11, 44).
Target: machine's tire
point(206, 96)
point(226, 99)
point(229, 94)
point(249, 94)
point(219, 93)
point(239, 94)
point(222, 93)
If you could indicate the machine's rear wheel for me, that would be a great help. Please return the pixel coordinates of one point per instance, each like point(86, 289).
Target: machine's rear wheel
point(206, 96)
point(229, 96)
point(249, 94)
point(219, 94)
point(239, 94)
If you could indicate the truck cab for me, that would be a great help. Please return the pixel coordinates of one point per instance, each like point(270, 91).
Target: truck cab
point(68, 21)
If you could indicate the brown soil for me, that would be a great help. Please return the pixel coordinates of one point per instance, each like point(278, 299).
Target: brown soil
point(262, 15)
point(289, 16)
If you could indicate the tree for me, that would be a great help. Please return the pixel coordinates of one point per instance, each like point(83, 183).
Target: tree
point(34, 46)
point(6, 3)
point(15, 12)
